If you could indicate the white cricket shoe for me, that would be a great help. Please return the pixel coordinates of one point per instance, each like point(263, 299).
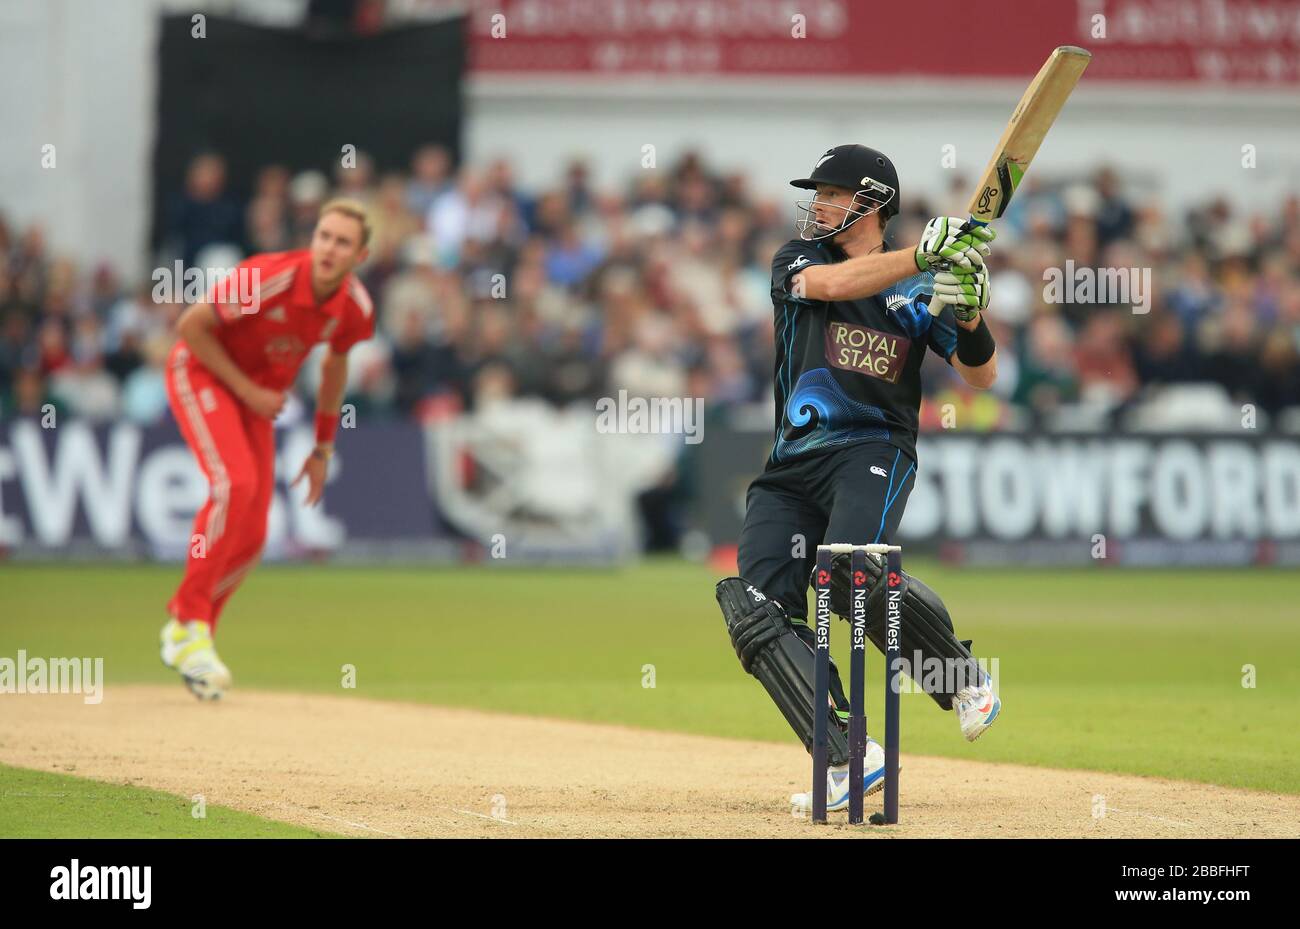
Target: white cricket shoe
point(187, 648)
point(837, 782)
point(976, 709)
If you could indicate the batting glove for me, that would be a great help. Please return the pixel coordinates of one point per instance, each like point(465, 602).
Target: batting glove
point(951, 242)
point(967, 292)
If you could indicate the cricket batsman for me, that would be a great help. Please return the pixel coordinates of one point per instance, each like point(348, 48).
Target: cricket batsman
point(227, 376)
point(854, 321)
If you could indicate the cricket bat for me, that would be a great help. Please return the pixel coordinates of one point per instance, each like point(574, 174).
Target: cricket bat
point(1037, 110)
point(1033, 116)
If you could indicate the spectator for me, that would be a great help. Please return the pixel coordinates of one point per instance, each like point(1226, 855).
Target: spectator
point(1162, 355)
point(430, 179)
point(1193, 296)
point(307, 193)
point(267, 227)
point(660, 285)
point(393, 226)
point(1047, 372)
point(570, 260)
point(144, 391)
point(1278, 383)
point(53, 350)
point(1234, 359)
point(203, 214)
point(1104, 362)
point(1114, 215)
point(467, 211)
point(422, 369)
point(355, 180)
point(15, 338)
point(31, 396)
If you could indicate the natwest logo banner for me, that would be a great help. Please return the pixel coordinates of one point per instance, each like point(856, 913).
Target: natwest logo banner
point(120, 491)
point(1181, 41)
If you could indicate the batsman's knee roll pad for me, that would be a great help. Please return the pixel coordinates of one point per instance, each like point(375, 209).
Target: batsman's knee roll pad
point(753, 620)
point(769, 648)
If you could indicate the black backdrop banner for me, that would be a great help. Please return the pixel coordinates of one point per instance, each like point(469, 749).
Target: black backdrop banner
point(262, 96)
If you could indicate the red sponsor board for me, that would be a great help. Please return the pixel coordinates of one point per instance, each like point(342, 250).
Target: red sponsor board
point(1178, 41)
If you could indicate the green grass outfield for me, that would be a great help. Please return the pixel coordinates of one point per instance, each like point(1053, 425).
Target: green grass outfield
point(1113, 670)
point(34, 804)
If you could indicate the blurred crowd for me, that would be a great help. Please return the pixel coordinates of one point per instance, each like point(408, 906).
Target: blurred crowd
point(660, 286)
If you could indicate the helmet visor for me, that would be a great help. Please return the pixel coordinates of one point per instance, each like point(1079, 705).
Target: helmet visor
point(837, 217)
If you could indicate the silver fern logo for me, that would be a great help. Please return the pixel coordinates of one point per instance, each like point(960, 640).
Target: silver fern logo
point(894, 301)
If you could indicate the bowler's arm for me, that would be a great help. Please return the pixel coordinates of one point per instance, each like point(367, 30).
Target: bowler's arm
point(333, 382)
point(197, 329)
point(329, 400)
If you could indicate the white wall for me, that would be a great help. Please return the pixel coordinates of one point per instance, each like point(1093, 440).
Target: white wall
point(78, 75)
point(81, 75)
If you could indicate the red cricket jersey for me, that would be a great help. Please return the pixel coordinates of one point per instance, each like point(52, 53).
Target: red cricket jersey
point(268, 336)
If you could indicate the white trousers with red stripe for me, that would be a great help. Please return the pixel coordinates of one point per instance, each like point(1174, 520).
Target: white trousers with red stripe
point(236, 450)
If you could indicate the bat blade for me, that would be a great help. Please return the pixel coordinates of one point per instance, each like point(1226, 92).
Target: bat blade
point(1034, 115)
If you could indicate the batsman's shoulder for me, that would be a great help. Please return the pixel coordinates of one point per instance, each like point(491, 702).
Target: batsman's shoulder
point(790, 259)
point(795, 255)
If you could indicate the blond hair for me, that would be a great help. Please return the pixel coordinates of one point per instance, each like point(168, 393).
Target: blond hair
point(354, 209)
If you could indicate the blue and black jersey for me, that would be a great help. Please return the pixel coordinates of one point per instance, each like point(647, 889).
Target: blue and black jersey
point(849, 371)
